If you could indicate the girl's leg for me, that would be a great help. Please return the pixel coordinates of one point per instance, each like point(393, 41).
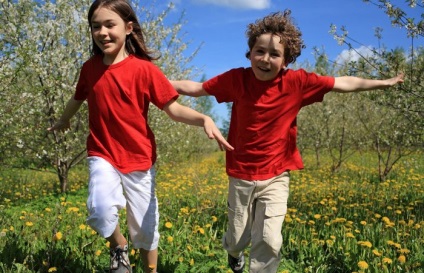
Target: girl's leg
point(150, 260)
point(117, 239)
point(143, 215)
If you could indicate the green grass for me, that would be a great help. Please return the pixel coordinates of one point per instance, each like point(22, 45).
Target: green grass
point(335, 223)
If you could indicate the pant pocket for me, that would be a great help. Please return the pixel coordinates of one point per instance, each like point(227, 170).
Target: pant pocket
point(273, 222)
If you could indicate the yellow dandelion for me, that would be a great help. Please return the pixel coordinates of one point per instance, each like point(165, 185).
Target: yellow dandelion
point(82, 227)
point(181, 259)
point(170, 239)
point(168, 225)
point(52, 269)
point(29, 224)
point(377, 253)
point(191, 262)
point(387, 260)
point(402, 259)
point(132, 253)
point(350, 235)
point(108, 244)
point(317, 216)
point(58, 236)
point(48, 209)
point(364, 223)
point(98, 253)
point(365, 244)
point(11, 228)
point(404, 251)
point(201, 231)
point(214, 219)
point(363, 265)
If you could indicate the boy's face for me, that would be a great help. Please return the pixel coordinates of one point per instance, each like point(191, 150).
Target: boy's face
point(267, 57)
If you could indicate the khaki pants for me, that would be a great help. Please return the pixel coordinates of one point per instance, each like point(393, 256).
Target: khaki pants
point(256, 211)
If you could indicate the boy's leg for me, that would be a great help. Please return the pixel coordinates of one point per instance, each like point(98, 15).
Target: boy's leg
point(143, 215)
point(271, 208)
point(240, 217)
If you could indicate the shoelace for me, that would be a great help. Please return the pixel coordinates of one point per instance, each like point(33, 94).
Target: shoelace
point(119, 258)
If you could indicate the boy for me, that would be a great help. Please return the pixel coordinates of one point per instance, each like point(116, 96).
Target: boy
point(266, 99)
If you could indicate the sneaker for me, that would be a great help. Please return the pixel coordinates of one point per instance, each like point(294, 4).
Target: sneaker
point(119, 262)
point(236, 264)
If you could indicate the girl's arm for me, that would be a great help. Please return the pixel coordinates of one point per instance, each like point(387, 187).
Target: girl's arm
point(71, 109)
point(347, 84)
point(189, 116)
point(189, 88)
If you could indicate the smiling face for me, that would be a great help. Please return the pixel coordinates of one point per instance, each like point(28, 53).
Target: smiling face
point(267, 57)
point(109, 33)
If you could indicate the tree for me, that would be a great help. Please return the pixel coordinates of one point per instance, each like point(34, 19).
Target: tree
point(43, 45)
point(400, 129)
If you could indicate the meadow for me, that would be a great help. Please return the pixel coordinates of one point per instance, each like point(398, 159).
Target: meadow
point(342, 222)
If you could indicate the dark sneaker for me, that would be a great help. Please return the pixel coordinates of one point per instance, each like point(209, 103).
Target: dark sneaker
point(236, 264)
point(119, 262)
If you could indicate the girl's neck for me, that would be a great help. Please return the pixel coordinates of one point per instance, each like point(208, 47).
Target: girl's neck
point(109, 59)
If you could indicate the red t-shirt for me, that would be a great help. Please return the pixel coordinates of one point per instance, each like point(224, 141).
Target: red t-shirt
point(263, 121)
point(118, 99)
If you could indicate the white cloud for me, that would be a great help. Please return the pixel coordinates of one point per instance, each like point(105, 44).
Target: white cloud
point(354, 55)
point(245, 4)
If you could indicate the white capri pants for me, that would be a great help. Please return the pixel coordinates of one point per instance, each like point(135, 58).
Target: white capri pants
point(109, 191)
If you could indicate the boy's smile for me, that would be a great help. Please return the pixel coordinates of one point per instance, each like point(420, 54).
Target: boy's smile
point(267, 57)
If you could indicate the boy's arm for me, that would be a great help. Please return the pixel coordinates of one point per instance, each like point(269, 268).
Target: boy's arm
point(71, 109)
point(189, 116)
point(189, 88)
point(347, 84)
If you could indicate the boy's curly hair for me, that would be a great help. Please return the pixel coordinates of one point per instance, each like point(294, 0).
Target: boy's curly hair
point(281, 24)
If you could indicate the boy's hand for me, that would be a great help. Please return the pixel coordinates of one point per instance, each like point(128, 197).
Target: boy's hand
point(213, 133)
point(396, 80)
point(60, 125)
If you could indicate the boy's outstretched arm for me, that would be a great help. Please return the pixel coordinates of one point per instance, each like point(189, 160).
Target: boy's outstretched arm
point(346, 84)
point(189, 88)
point(70, 110)
point(189, 116)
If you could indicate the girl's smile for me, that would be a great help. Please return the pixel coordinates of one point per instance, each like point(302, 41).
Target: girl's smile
point(109, 33)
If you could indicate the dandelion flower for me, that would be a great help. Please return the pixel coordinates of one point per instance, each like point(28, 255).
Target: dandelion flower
point(363, 265)
point(377, 253)
point(58, 236)
point(52, 269)
point(402, 259)
point(170, 239)
point(387, 260)
point(98, 252)
point(29, 224)
point(168, 225)
point(214, 219)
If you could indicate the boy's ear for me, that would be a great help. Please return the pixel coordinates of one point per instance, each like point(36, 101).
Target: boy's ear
point(129, 27)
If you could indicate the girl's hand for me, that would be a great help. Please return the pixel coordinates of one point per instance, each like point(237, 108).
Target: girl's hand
point(60, 125)
point(214, 133)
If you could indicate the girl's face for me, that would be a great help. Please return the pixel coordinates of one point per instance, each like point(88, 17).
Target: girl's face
point(267, 57)
point(109, 32)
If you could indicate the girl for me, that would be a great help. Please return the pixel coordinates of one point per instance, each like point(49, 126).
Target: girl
point(118, 82)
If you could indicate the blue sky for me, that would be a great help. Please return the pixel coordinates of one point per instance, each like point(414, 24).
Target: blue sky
point(219, 27)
